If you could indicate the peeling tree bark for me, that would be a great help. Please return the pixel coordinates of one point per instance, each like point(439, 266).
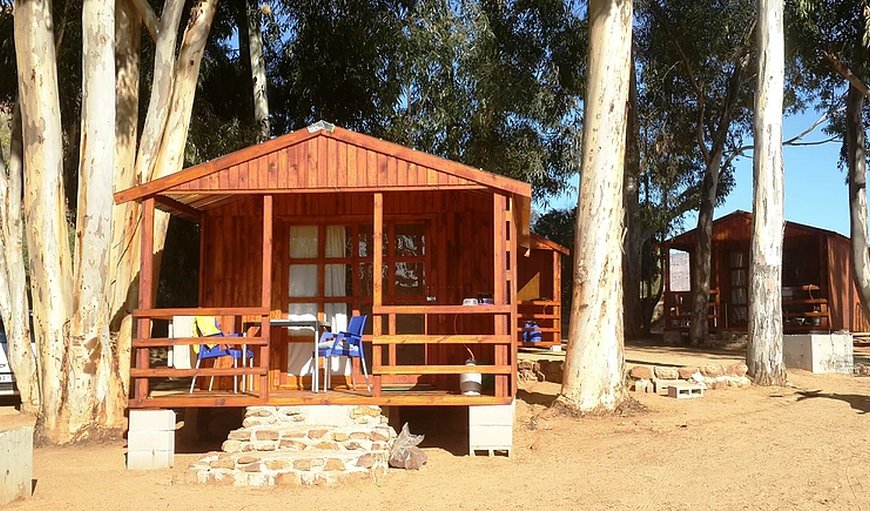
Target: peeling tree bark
point(593, 378)
point(856, 159)
point(44, 208)
point(764, 352)
point(633, 257)
point(124, 262)
point(702, 256)
point(170, 155)
point(258, 70)
point(14, 303)
point(90, 349)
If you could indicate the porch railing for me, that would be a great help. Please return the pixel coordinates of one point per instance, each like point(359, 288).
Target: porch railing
point(504, 363)
point(142, 372)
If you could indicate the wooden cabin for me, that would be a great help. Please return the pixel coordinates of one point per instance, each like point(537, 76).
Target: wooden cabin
point(295, 226)
point(539, 298)
point(818, 293)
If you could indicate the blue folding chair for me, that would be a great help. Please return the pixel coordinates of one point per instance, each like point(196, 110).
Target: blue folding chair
point(206, 326)
point(343, 344)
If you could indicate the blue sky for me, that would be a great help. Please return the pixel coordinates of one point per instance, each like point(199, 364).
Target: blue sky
point(815, 187)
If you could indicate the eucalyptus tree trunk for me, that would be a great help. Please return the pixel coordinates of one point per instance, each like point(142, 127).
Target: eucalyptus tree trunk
point(633, 261)
point(48, 251)
point(856, 159)
point(123, 283)
point(593, 378)
point(702, 257)
point(764, 352)
point(90, 353)
point(170, 154)
point(258, 70)
point(14, 303)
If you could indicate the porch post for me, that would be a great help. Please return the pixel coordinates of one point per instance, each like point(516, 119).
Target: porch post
point(499, 256)
point(266, 299)
point(513, 322)
point(146, 294)
point(377, 288)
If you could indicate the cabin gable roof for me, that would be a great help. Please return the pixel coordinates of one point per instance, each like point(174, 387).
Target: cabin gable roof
point(321, 158)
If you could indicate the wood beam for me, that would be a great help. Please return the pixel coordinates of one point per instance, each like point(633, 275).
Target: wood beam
point(179, 207)
point(443, 339)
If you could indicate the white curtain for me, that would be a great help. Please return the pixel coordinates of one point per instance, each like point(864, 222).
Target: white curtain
point(303, 282)
point(335, 284)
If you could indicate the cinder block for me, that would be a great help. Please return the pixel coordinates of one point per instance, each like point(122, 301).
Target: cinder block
point(151, 440)
point(163, 459)
point(661, 386)
point(152, 420)
point(501, 415)
point(491, 428)
point(685, 390)
point(149, 460)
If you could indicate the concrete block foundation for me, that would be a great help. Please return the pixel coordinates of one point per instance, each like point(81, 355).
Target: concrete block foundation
point(151, 439)
point(16, 458)
point(819, 353)
point(491, 428)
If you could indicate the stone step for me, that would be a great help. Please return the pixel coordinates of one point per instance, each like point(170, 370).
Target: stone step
point(318, 444)
point(301, 437)
point(335, 415)
point(312, 466)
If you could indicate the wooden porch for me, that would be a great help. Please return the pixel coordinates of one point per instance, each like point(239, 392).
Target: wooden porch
point(440, 232)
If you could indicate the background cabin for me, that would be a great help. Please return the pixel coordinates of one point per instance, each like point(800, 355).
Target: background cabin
point(539, 295)
point(817, 287)
point(326, 223)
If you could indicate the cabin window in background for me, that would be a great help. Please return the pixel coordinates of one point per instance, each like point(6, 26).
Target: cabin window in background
point(739, 278)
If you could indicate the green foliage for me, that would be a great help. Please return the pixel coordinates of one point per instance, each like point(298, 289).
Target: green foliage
point(495, 85)
point(819, 33)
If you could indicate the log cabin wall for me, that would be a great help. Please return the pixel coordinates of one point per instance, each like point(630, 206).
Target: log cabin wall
point(458, 261)
point(811, 257)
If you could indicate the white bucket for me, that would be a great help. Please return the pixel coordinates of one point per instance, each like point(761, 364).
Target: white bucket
point(469, 383)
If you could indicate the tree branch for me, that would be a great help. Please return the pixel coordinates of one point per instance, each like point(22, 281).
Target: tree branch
point(846, 73)
point(149, 19)
point(794, 141)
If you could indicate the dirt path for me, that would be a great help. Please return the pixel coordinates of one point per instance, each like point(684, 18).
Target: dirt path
point(803, 447)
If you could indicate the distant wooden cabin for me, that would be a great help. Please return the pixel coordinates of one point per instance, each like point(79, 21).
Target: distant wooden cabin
point(818, 290)
point(298, 224)
point(539, 298)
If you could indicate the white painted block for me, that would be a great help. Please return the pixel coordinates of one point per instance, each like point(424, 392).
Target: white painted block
point(149, 459)
point(140, 460)
point(502, 415)
point(151, 440)
point(661, 386)
point(491, 427)
point(556, 348)
point(152, 420)
point(163, 459)
point(16, 458)
point(490, 437)
point(819, 353)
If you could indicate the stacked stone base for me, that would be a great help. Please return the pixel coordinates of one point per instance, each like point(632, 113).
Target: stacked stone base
point(301, 446)
point(712, 376)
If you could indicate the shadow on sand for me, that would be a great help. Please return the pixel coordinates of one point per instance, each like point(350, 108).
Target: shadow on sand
point(536, 398)
point(858, 402)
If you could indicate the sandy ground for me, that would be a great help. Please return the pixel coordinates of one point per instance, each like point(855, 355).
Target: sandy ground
point(798, 447)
